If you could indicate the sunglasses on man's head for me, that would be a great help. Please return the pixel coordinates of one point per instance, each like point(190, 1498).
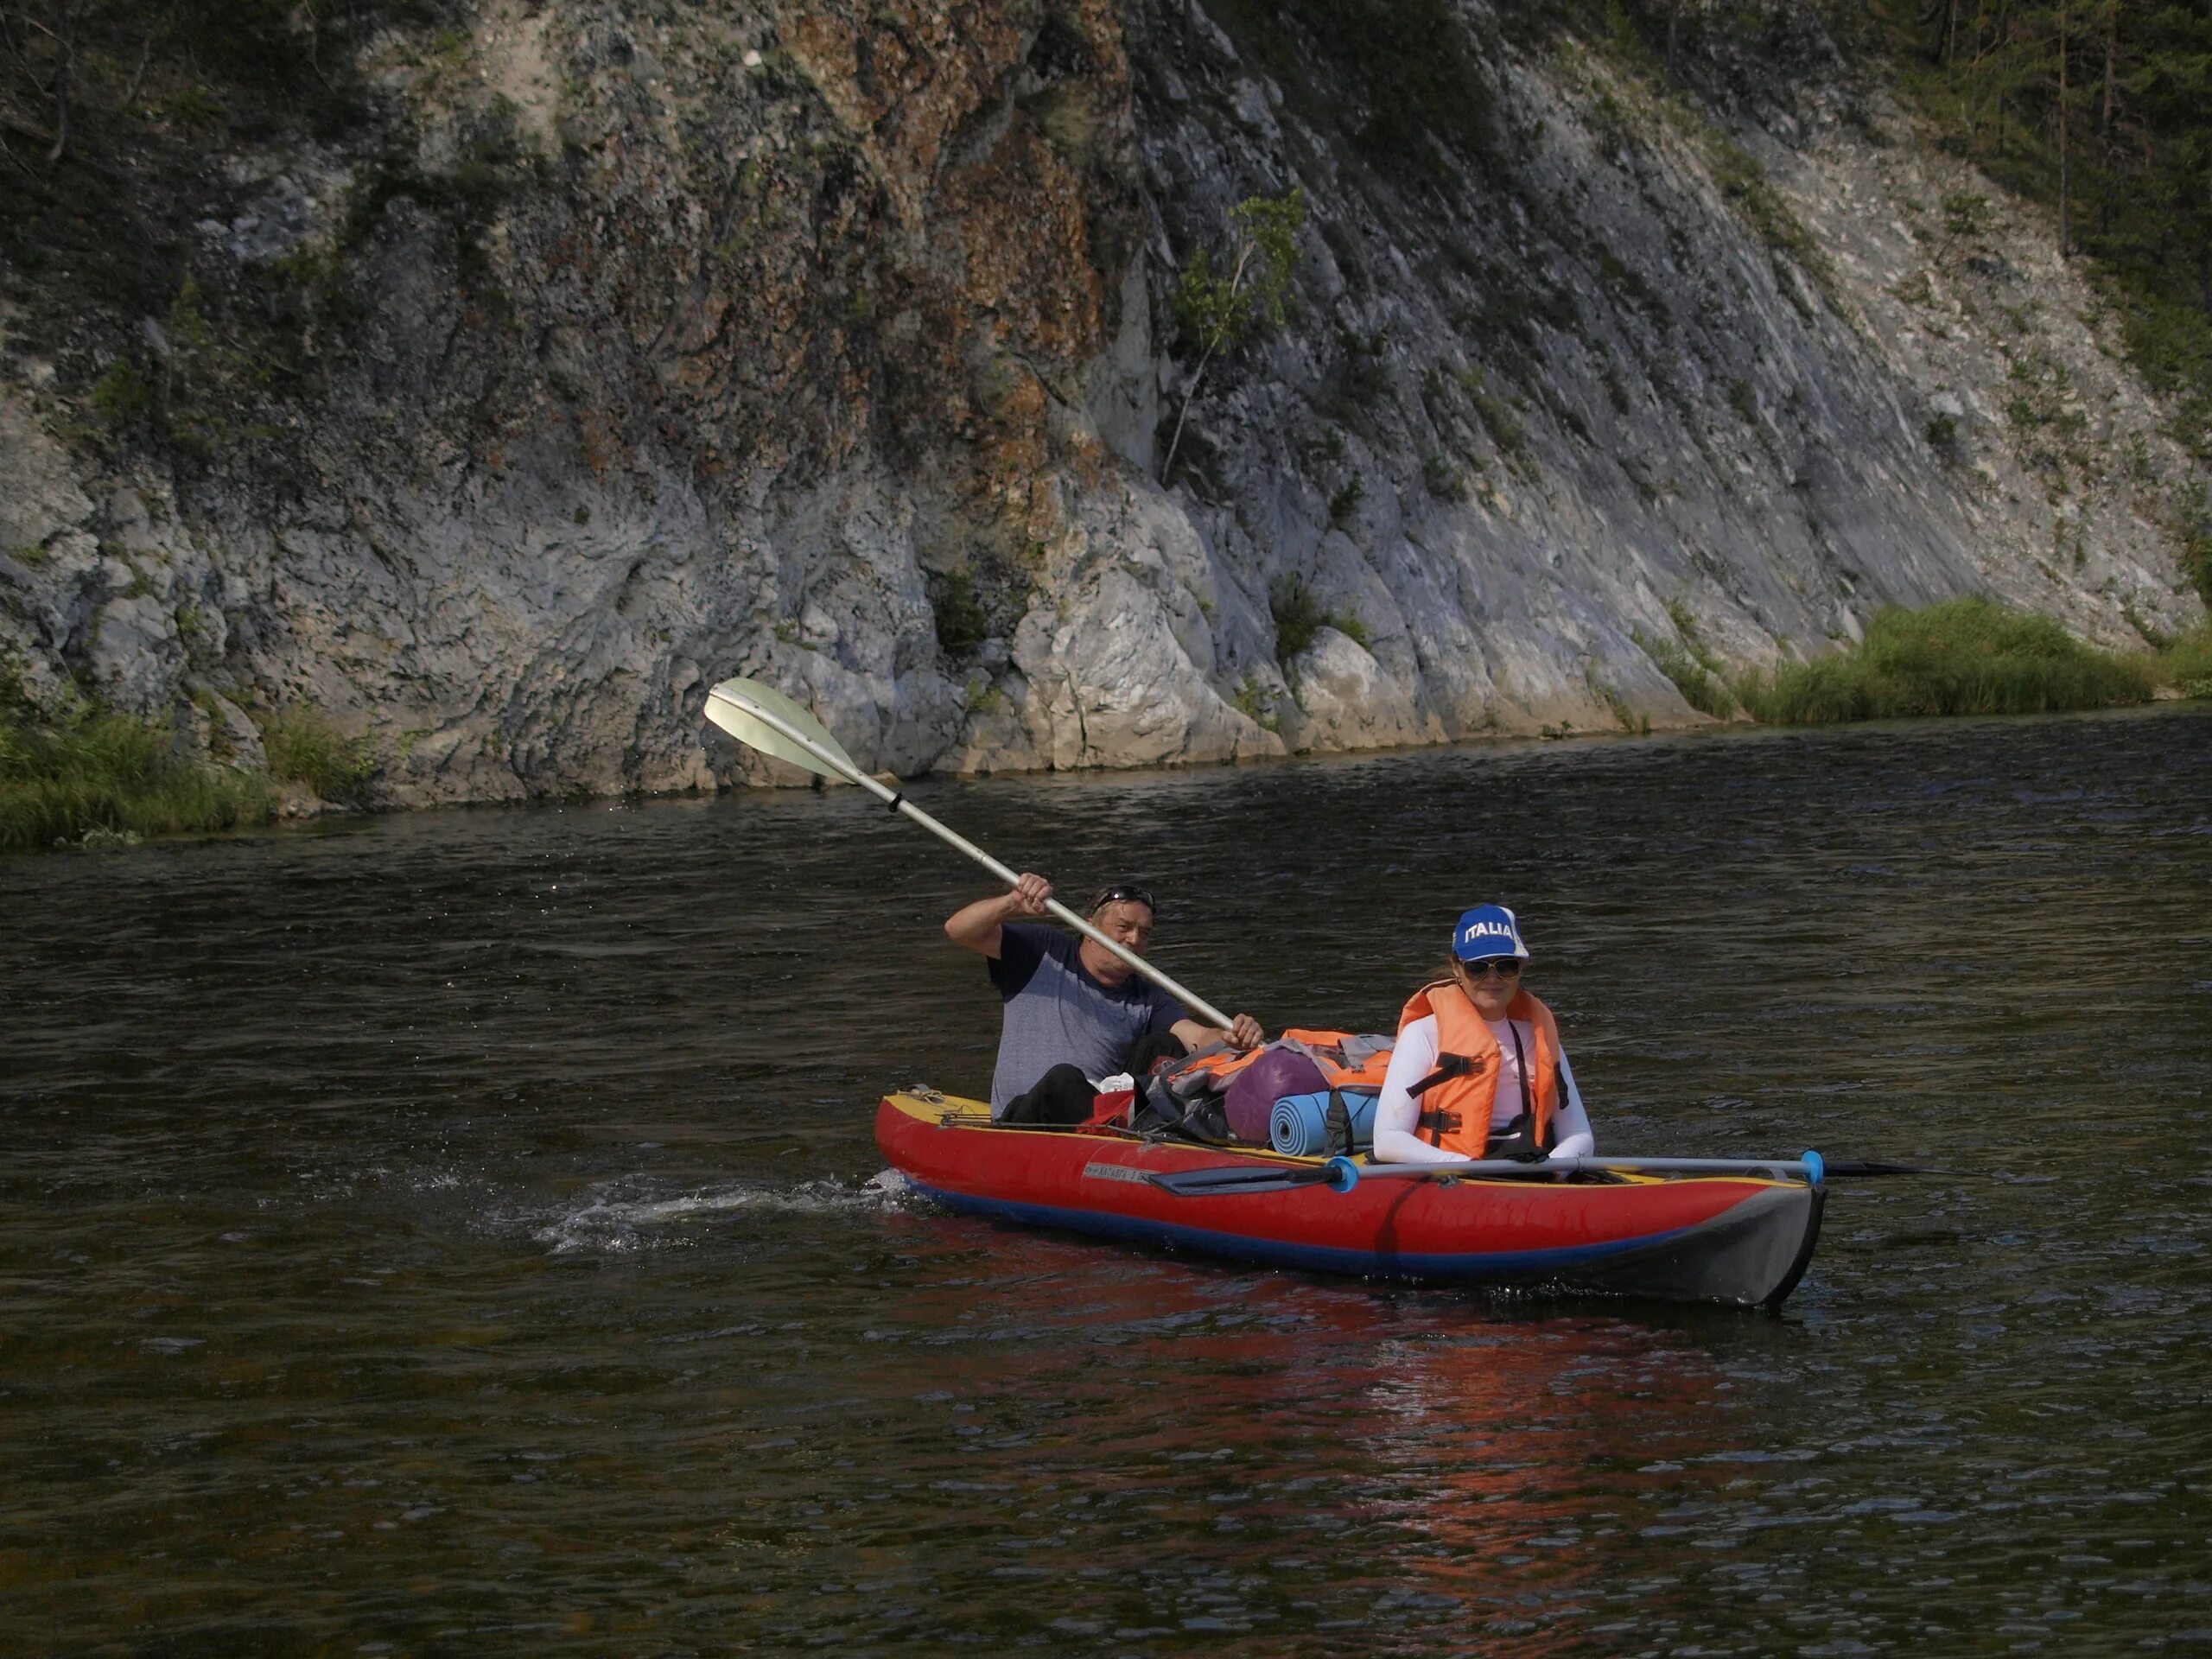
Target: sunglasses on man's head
point(1505, 967)
point(1123, 893)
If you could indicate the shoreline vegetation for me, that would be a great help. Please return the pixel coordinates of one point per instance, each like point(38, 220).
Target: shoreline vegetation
point(99, 779)
point(1963, 657)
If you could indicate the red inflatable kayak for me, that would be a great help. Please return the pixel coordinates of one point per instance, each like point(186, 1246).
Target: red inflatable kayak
point(1732, 1238)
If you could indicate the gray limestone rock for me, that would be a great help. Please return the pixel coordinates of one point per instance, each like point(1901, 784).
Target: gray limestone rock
point(1347, 701)
point(837, 345)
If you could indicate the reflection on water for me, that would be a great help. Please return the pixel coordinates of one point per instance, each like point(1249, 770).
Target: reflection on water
point(462, 1232)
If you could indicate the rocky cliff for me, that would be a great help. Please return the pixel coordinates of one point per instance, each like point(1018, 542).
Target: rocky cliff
point(530, 367)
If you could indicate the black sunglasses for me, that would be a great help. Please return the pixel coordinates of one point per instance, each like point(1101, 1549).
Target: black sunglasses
point(1505, 967)
point(1123, 893)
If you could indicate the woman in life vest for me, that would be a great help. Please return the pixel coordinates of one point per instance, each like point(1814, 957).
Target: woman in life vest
point(1478, 1071)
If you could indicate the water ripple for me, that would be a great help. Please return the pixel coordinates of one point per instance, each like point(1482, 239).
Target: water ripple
point(464, 1232)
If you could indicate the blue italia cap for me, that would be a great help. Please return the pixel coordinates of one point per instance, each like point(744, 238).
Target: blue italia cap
point(1487, 931)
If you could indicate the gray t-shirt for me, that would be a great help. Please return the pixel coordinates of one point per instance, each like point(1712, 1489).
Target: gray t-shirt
point(1056, 1013)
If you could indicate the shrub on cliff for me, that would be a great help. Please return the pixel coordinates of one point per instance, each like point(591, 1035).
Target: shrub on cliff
point(1965, 656)
point(1216, 313)
point(304, 747)
point(1695, 669)
point(962, 621)
point(1299, 622)
point(984, 598)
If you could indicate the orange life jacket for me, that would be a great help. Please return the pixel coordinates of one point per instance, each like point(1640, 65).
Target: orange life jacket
point(1325, 1048)
point(1456, 1110)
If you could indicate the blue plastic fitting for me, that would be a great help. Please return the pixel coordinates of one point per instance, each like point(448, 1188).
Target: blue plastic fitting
point(1343, 1174)
point(1816, 1167)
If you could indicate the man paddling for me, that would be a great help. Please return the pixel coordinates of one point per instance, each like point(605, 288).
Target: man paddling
point(1075, 1013)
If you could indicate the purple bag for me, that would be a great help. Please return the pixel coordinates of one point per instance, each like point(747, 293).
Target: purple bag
point(1252, 1094)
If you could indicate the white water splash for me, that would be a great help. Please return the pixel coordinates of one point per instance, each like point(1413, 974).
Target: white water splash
point(610, 1219)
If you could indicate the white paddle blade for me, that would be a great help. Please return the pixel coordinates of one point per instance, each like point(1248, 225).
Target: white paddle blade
point(736, 706)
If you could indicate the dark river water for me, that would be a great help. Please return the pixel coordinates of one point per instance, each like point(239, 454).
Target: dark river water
point(457, 1233)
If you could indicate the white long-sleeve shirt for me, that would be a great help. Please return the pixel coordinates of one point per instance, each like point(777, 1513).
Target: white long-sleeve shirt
point(1397, 1113)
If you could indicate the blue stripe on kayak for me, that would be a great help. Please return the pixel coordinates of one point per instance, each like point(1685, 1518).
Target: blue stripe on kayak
point(1282, 1253)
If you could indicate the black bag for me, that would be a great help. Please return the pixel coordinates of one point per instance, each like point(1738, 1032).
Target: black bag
point(1159, 1110)
point(1058, 1100)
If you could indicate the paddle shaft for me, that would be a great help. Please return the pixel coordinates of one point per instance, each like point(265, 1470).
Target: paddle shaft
point(1798, 1168)
point(1341, 1174)
point(897, 801)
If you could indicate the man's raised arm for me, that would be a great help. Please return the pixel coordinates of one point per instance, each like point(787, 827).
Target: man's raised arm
point(976, 927)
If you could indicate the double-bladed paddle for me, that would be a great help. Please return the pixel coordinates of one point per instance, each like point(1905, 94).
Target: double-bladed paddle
point(764, 719)
point(1341, 1174)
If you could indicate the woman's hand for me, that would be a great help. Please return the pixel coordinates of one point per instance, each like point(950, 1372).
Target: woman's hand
point(1518, 1142)
point(1246, 1033)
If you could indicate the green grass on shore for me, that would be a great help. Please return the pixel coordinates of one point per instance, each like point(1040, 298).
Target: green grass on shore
point(98, 778)
point(107, 777)
point(1968, 656)
point(2186, 664)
